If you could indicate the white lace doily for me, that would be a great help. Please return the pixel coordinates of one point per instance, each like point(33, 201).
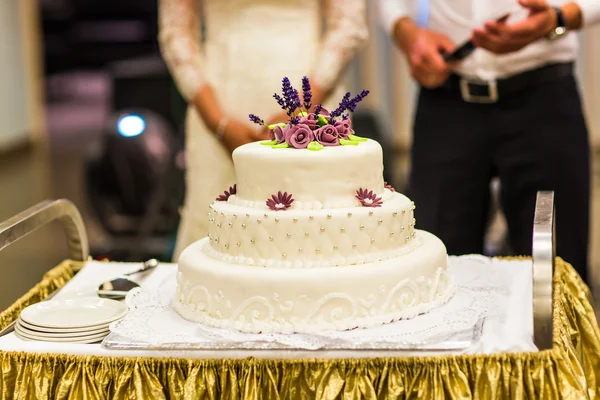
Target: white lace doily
point(483, 286)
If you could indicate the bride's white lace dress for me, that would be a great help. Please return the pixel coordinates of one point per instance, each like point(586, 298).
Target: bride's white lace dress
point(243, 48)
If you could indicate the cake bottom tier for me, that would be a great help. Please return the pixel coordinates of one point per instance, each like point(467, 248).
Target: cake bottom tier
point(258, 299)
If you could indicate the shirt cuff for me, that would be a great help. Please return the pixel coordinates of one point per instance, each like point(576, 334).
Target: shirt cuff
point(590, 11)
point(391, 11)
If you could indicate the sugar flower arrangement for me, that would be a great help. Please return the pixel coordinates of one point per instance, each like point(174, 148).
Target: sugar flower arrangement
point(311, 130)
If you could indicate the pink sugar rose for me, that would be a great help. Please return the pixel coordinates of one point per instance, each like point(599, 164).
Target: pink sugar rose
point(324, 112)
point(298, 136)
point(327, 135)
point(343, 128)
point(278, 134)
point(310, 120)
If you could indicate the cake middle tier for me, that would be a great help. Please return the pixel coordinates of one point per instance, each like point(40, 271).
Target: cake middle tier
point(311, 238)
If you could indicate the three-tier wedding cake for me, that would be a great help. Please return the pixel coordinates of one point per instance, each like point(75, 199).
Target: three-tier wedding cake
point(311, 238)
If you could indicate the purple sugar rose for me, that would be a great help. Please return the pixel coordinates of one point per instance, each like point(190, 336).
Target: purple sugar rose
point(327, 135)
point(299, 136)
point(278, 134)
point(310, 120)
point(343, 128)
point(324, 112)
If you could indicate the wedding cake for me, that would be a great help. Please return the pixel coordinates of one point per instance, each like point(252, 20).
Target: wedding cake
point(311, 238)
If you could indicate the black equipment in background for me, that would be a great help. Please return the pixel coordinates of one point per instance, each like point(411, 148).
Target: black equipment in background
point(134, 185)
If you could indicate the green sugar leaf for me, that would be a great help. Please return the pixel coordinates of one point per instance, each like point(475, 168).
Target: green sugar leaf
point(355, 138)
point(315, 146)
point(322, 120)
point(273, 126)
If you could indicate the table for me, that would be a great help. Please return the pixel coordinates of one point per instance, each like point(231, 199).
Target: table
point(569, 369)
point(508, 331)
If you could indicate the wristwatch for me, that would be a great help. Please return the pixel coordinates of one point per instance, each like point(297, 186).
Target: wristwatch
point(561, 27)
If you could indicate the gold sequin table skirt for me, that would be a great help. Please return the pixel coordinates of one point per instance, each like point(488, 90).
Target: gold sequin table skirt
point(570, 370)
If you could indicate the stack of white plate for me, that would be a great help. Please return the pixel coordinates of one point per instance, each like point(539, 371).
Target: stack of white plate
point(81, 320)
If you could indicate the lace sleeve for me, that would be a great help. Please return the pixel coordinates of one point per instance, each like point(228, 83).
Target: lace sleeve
point(345, 31)
point(180, 43)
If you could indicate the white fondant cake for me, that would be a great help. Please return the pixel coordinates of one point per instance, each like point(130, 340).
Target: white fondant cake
point(317, 179)
point(311, 241)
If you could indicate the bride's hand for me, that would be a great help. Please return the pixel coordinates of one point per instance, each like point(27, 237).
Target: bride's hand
point(238, 133)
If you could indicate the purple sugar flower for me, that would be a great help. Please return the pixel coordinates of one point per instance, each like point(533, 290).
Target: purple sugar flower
point(281, 201)
point(324, 112)
point(343, 128)
point(256, 120)
point(368, 199)
point(306, 93)
point(225, 196)
point(299, 136)
point(278, 134)
point(310, 120)
point(327, 135)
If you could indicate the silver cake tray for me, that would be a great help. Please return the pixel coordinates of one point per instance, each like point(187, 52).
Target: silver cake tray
point(457, 341)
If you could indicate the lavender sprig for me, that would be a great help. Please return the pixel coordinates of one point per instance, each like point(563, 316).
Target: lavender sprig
point(256, 120)
point(351, 104)
point(290, 95)
point(318, 109)
point(341, 108)
point(296, 100)
point(306, 93)
point(295, 120)
point(280, 101)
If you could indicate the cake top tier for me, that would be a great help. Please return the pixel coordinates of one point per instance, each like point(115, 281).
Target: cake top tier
point(314, 160)
point(329, 178)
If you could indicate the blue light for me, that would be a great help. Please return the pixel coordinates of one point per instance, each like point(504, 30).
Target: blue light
point(131, 125)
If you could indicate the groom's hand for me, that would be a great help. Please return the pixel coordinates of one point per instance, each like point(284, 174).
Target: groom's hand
point(501, 37)
point(423, 49)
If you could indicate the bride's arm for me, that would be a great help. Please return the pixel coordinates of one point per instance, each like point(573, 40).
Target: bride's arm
point(179, 38)
point(346, 30)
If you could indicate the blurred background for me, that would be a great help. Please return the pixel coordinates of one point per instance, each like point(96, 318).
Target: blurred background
point(70, 71)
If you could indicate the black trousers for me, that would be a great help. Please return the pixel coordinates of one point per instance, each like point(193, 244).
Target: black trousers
point(534, 140)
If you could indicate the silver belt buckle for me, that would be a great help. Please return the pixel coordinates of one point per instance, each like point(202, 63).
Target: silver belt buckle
point(492, 88)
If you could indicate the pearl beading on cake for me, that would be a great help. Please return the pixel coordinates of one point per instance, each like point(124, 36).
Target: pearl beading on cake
point(347, 260)
point(308, 239)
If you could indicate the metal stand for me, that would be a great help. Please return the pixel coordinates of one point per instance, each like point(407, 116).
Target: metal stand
point(43, 213)
point(543, 251)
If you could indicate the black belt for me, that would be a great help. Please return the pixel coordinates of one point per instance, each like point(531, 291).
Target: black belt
point(491, 91)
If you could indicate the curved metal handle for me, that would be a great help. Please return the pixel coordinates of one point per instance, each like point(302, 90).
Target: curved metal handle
point(544, 250)
point(43, 213)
